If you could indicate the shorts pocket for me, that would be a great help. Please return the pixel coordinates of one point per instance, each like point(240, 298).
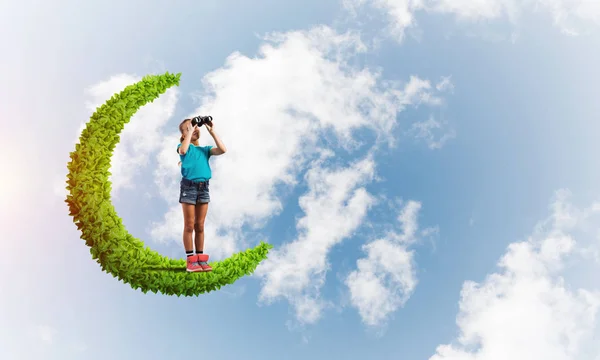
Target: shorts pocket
point(188, 194)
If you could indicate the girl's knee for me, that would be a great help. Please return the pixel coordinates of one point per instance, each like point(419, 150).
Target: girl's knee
point(199, 227)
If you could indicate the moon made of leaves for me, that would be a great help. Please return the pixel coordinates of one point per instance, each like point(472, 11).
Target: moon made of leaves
point(111, 245)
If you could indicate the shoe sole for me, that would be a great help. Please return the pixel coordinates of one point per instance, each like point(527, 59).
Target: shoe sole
point(199, 270)
point(195, 270)
point(205, 267)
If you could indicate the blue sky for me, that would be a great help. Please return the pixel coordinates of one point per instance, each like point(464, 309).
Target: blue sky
point(457, 142)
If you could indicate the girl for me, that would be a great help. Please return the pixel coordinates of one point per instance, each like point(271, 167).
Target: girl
point(194, 196)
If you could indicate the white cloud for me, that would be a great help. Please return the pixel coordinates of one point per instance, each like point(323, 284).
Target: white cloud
point(275, 113)
point(139, 137)
point(400, 11)
point(429, 131)
point(445, 84)
point(572, 17)
point(533, 308)
point(386, 278)
point(334, 207)
point(473, 10)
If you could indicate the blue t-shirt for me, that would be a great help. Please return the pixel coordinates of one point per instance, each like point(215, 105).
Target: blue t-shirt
point(194, 164)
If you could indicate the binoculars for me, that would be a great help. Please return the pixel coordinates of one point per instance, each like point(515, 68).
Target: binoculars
point(201, 120)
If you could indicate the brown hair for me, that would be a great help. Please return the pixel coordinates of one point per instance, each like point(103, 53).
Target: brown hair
point(181, 129)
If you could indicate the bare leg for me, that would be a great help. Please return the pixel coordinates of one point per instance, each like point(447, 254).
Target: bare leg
point(189, 211)
point(201, 210)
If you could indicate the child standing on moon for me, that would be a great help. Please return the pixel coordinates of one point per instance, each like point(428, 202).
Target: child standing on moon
point(194, 196)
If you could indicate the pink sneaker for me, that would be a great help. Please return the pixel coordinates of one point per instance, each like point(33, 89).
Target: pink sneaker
point(193, 265)
point(203, 262)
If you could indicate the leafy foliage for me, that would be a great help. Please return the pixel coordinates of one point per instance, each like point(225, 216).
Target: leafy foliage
point(117, 251)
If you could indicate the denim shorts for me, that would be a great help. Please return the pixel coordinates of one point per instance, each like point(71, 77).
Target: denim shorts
point(193, 192)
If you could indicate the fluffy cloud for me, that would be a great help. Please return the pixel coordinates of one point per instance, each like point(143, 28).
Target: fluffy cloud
point(334, 208)
point(472, 10)
point(540, 305)
point(140, 136)
point(386, 277)
point(276, 113)
point(573, 17)
point(400, 12)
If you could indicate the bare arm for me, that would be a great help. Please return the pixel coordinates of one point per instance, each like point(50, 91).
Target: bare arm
point(220, 149)
point(187, 139)
point(218, 141)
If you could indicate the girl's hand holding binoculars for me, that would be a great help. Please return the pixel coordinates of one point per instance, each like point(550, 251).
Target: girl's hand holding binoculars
point(191, 128)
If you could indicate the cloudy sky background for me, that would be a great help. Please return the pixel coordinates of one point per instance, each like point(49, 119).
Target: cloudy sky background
point(426, 170)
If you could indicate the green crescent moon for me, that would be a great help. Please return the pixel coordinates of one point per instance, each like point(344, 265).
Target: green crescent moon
point(117, 251)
